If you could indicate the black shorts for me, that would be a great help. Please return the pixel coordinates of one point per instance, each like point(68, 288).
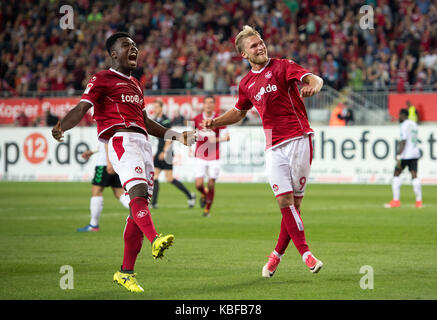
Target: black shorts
point(410, 163)
point(162, 164)
point(104, 179)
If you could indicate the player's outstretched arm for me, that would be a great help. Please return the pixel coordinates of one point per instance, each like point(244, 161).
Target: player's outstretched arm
point(229, 117)
point(72, 118)
point(159, 131)
point(313, 85)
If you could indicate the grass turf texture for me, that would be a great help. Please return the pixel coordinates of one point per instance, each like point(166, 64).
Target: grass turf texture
point(219, 257)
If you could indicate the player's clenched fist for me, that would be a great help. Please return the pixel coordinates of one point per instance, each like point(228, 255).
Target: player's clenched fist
point(57, 132)
point(307, 91)
point(188, 138)
point(208, 123)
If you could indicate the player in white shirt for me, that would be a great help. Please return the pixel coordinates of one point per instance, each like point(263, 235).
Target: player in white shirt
point(104, 176)
point(407, 156)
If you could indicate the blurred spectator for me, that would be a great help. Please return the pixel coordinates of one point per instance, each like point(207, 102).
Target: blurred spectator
point(22, 120)
point(336, 118)
point(355, 77)
point(330, 71)
point(413, 114)
point(347, 114)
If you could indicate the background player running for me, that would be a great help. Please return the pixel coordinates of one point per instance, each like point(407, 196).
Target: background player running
point(407, 156)
point(207, 154)
point(119, 110)
point(104, 176)
point(163, 160)
point(271, 86)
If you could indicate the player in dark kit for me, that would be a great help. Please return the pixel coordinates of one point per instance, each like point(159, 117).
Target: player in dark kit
point(163, 160)
point(122, 121)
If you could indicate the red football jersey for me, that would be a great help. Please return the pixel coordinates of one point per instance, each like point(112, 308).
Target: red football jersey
point(204, 149)
point(117, 101)
point(274, 93)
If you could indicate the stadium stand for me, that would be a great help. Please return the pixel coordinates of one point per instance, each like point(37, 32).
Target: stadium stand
point(189, 44)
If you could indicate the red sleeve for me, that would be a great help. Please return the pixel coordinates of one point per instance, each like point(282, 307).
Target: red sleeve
point(243, 102)
point(196, 122)
point(94, 89)
point(294, 71)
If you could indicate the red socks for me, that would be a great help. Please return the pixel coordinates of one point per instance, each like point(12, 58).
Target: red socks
point(202, 190)
point(141, 215)
point(133, 240)
point(283, 239)
point(209, 199)
point(293, 225)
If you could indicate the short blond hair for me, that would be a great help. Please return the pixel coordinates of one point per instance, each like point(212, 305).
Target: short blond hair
point(247, 31)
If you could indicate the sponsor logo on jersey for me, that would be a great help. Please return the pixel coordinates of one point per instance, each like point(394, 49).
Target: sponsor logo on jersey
point(262, 91)
point(93, 78)
point(131, 98)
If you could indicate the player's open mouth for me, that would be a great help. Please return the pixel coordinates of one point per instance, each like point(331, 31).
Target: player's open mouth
point(132, 57)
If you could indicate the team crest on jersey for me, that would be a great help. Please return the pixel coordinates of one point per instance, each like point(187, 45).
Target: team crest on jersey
point(138, 170)
point(268, 74)
point(275, 187)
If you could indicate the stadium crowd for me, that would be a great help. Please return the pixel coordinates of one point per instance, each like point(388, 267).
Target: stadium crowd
point(187, 44)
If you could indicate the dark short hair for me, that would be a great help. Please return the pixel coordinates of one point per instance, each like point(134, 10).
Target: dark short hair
point(404, 112)
point(209, 97)
point(111, 40)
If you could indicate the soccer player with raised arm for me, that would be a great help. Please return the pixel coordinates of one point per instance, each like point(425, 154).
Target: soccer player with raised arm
point(271, 86)
point(119, 110)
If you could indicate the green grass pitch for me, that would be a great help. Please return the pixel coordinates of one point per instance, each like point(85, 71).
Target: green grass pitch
point(220, 257)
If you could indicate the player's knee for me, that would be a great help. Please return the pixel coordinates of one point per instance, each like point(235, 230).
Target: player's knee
point(285, 200)
point(139, 190)
point(199, 184)
point(211, 184)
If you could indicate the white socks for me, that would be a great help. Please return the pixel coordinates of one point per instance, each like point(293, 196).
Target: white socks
point(277, 254)
point(305, 255)
point(124, 200)
point(417, 187)
point(396, 187)
point(96, 207)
